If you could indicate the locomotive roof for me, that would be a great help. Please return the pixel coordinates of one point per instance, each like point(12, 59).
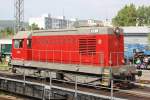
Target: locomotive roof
point(22, 35)
point(75, 31)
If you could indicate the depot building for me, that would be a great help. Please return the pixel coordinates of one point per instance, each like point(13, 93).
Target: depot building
point(136, 35)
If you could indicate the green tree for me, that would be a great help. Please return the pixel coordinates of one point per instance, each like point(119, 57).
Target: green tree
point(126, 16)
point(34, 27)
point(141, 16)
point(147, 15)
point(9, 31)
point(6, 32)
point(130, 16)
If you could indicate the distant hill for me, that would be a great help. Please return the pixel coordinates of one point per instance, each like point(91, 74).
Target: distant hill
point(9, 24)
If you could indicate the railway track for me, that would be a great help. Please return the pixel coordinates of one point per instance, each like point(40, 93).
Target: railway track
point(137, 93)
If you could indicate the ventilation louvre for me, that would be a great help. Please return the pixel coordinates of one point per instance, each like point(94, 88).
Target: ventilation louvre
point(87, 46)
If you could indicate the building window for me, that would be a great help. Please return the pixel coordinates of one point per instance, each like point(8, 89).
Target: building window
point(18, 43)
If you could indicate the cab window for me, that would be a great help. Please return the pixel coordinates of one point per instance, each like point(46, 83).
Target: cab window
point(18, 43)
point(29, 43)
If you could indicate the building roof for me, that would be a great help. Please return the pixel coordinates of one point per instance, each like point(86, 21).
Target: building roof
point(135, 29)
point(5, 41)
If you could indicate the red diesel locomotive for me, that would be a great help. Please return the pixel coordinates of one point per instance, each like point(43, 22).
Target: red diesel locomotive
point(91, 50)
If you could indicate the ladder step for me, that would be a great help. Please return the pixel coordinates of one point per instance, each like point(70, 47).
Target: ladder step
point(106, 77)
point(105, 81)
point(106, 73)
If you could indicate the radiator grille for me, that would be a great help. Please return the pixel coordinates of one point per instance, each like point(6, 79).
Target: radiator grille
point(87, 46)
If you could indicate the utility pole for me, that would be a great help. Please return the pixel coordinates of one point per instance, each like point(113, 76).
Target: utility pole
point(19, 15)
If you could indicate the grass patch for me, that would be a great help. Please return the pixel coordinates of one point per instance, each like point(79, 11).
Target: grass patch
point(4, 66)
point(2, 93)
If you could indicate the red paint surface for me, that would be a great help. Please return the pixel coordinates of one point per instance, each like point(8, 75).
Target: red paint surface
point(65, 49)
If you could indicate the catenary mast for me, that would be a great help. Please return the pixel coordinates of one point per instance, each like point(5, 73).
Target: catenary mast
point(19, 15)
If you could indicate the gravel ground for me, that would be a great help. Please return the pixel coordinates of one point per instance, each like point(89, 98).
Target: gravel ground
point(6, 97)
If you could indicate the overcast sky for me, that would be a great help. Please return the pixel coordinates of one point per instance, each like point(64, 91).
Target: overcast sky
point(82, 9)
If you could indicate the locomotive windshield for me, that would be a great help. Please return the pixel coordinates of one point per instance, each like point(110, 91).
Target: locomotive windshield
point(18, 43)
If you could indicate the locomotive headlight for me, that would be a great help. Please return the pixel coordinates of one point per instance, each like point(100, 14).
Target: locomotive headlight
point(122, 61)
point(117, 31)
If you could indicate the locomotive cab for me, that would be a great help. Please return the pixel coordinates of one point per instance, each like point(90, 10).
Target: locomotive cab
point(21, 46)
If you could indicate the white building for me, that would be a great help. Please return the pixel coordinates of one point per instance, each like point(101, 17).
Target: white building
point(136, 35)
point(107, 22)
point(48, 22)
point(58, 22)
point(43, 22)
point(71, 22)
point(87, 23)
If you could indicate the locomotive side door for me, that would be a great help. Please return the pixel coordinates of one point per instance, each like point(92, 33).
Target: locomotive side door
point(29, 49)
